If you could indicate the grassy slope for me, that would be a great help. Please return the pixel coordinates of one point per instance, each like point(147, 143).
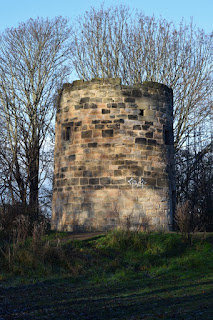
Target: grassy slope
point(117, 276)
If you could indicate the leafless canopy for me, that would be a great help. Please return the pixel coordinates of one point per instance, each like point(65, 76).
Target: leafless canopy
point(32, 65)
point(115, 42)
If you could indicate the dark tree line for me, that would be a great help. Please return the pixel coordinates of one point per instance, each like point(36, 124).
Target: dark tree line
point(194, 182)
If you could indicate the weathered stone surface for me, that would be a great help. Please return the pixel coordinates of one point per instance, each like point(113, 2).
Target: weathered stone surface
point(132, 117)
point(104, 111)
point(71, 157)
point(86, 134)
point(84, 100)
point(92, 145)
point(83, 181)
point(105, 181)
point(107, 133)
point(117, 162)
point(140, 141)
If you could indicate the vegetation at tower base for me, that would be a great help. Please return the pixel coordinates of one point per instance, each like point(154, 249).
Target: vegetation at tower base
point(119, 275)
point(114, 156)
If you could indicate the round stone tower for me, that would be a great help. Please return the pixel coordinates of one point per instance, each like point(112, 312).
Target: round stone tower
point(114, 156)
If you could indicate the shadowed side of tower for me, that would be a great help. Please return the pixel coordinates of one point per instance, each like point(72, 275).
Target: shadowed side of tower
point(114, 156)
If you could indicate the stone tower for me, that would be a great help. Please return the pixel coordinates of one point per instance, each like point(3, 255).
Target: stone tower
point(114, 156)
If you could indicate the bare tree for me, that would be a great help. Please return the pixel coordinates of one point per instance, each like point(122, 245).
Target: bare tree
point(33, 63)
point(194, 178)
point(115, 42)
point(99, 40)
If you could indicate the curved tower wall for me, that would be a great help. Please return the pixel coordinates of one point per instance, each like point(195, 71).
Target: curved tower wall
point(114, 156)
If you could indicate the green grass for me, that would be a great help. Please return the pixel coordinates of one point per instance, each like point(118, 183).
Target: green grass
point(120, 275)
point(114, 255)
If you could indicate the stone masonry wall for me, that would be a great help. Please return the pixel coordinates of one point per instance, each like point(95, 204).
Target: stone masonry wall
point(114, 157)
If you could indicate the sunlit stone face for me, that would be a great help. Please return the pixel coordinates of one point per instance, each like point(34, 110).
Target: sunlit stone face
point(114, 159)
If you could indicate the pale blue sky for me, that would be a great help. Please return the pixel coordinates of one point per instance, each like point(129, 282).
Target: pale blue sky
point(14, 11)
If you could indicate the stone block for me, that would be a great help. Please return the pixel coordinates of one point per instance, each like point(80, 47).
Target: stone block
point(73, 181)
point(162, 182)
point(149, 135)
point(99, 126)
point(140, 141)
point(105, 111)
point(90, 106)
point(86, 134)
point(78, 174)
point(136, 93)
point(149, 113)
point(84, 100)
point(92, 145)
point(83, 181)
point(152, 142)
point(121, 105)
point(150, 181)
point(117, 173)
point(129, 99)
point(106, 121)
point(87, 173)
point(94, 181)
point(107, 133)
point(137, 127)
point(132, 117)
point(118, 181)
point(105, 180)
point(72, 157)
point(119, 121)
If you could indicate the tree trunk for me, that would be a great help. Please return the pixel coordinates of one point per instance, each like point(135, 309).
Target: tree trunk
point(34, 175)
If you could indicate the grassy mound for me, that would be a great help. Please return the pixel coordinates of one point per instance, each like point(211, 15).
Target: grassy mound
point(116, 256)
point(120, 275)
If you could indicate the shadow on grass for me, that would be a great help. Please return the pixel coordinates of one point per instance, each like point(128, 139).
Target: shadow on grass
point(151, 299)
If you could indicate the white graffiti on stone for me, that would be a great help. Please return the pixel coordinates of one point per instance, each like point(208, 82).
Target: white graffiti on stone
point(137, 184)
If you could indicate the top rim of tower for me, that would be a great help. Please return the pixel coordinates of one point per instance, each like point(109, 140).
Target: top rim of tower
point(116, 82)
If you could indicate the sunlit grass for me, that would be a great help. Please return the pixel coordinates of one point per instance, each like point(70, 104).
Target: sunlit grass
point(116, 256)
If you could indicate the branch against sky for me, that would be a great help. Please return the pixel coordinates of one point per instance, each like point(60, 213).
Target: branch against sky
point(116, 42)
point(33, 64)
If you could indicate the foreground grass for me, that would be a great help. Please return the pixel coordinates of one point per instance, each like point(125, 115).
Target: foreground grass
point(121, 275)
